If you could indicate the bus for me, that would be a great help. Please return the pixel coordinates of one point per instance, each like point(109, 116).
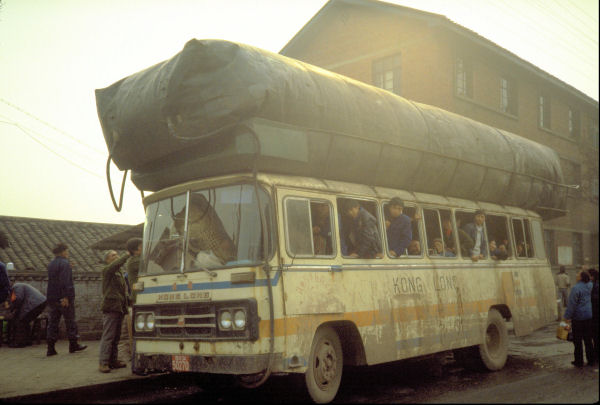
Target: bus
point(252, 160)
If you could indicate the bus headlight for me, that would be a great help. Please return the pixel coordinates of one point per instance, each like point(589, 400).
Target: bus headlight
point(225, 320)
point(150, 322)
point(140, 321)
point(239, 319)
point(144, 322)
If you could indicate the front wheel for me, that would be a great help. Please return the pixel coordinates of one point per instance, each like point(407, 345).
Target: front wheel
point(325, 364)
point(494, 349)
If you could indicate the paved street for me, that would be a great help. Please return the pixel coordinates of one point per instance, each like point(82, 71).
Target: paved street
point(538, 370)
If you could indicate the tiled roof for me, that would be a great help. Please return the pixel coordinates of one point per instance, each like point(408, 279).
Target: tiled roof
point(32, 240)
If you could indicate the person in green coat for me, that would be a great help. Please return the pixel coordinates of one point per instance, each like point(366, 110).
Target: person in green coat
point(115, 300)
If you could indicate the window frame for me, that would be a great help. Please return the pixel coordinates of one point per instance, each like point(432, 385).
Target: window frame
point(463, 77)
point(388, 64)
point(379, 217)
point(508, 96)
point(309, 200)
point(441, 229)
point(544, 112)
point(523, 230)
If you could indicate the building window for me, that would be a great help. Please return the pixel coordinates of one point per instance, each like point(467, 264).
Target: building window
point(594, 133)
point(544, 112)
point(386, 73)
point(464, 78)
point(508, 96)
point(572, 175)
point(577, 241)
point(573, 123)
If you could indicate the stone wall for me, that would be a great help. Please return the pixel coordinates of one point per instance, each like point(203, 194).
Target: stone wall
point(88, 297)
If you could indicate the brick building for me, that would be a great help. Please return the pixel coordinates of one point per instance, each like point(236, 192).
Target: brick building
point(427, 58)
point(31, 242)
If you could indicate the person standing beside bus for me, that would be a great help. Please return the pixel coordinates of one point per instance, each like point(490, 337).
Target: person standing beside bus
point(114, 307)
point(399, 232)
point(595, 307)
point(579, 315)
point(60, 296)
point(363, 232)
point(476, 232)
point(563, 283)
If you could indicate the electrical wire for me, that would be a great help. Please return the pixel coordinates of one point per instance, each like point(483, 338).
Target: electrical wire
point(51, 126)
point(50, 149)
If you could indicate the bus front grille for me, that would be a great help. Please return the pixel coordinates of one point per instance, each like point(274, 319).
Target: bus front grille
point(186, 321)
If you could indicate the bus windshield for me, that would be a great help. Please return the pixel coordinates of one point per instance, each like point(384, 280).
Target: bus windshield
point(206, 229)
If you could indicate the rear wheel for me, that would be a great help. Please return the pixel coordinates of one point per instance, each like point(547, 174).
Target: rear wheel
point(493, 352)
point(325, 364)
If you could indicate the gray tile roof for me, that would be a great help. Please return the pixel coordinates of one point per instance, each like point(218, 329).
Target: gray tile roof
point(32, 240)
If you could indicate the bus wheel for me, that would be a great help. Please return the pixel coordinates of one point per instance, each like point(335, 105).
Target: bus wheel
point(494, 350)
point(325, 364)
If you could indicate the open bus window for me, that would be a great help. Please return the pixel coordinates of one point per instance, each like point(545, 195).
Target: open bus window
point(360, 235)
point(308, 227)
point(469, 246)
point(402, 230)
point(439, 233)
point(220, 227)
point(163, 242)
point(524, 247)
point(498, 237)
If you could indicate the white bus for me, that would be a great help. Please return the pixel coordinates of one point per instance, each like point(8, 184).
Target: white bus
point(247, 267)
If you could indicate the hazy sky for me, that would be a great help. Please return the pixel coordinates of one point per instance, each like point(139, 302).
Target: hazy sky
point(53, 54)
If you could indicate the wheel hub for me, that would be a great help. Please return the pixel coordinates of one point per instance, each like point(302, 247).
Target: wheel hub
point(325, 365)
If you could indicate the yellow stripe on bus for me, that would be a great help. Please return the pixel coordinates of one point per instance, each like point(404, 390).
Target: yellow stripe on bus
point(292, 325)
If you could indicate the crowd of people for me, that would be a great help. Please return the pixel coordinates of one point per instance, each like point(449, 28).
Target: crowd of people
point(23, 303)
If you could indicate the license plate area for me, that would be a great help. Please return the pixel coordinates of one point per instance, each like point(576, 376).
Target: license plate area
point(180, 362)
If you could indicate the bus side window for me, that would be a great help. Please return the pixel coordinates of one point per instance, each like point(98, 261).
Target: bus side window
point(308, 227)
point(465, 241)
point(414, 247)
point(522, 234)
point(528, 243)
point(320, 213)
point(498, 237)
point(360, 233)
point(538, 239)
point(403, 232)
point(436, 246)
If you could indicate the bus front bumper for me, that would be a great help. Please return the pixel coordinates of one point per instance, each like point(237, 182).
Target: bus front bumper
point(156, 363)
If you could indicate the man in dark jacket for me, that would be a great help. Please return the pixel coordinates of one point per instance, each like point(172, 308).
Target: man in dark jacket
point(26, 303)
point(61, 300)
point(363, 231)
point(399, 232)
point(579, 315)
point(476, 232)
point(114, 307)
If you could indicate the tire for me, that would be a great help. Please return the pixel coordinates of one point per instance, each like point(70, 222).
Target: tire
point(325, 364)
point(493, 352)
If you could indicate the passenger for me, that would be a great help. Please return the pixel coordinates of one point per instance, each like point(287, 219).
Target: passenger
point(438, 249)
point(399, 232)
point(579, 315)
point(414, 248)
point(321, 229)
point(476, 233)
point(497, 253)
point(466, 243)
point(363, 232)
point(521, 250)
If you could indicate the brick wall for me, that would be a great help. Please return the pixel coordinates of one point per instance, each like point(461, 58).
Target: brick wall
point(88, 297)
